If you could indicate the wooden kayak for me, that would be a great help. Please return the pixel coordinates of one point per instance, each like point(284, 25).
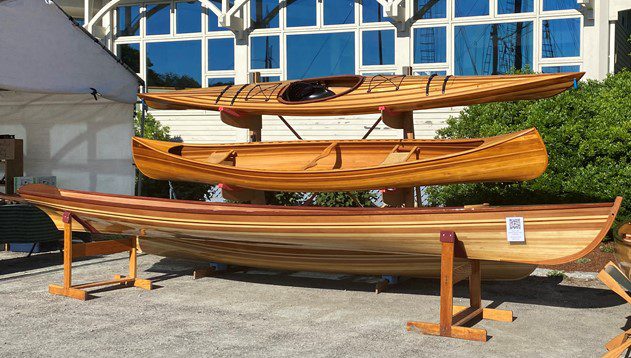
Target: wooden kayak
point(345, 164)
point(554, 234)
point(622, 247)
point(352, 94)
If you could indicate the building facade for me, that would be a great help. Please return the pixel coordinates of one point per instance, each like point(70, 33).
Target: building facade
point(173, 44)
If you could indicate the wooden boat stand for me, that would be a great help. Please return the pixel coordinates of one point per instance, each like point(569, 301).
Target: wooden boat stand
point(452, 318)
point(72, 251)
point(622, 342)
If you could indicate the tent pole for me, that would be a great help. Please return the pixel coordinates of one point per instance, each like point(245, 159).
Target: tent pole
point(143, 113)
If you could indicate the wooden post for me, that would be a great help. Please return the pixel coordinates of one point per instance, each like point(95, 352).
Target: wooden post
point(91, 249)
point(452, 318)
point(67, 220)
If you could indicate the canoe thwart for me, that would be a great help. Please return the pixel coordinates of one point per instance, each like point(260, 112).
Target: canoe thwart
point(452, 318)
point(325, 153)
point(95, 248)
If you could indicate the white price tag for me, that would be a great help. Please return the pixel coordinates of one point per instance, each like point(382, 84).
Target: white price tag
point(515, 229)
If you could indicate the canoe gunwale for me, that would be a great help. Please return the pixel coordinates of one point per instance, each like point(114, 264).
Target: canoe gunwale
point(202, 207)
point(487, 143)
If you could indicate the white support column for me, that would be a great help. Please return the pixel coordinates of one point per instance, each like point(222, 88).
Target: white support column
point(402, 43)
point(596, 40)
point(86, 12)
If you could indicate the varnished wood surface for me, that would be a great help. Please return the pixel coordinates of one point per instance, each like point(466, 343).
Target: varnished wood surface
point(345, 164)
point(555, 234)
point(396, 93)
point(622, 247)
point(298, 258)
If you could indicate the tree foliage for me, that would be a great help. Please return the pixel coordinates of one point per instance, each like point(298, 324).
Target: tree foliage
point(160, 188)
point(587, 132)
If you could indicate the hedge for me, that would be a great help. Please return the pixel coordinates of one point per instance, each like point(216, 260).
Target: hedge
point(587, 132)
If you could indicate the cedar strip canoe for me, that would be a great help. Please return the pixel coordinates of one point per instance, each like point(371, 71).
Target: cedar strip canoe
point(352, 94)
point(554, 234)
point(622, 249)
point(344, 165)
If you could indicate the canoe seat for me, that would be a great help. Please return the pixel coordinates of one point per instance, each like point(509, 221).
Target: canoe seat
point(396, 157)
point(325, 153)
point(220, 156)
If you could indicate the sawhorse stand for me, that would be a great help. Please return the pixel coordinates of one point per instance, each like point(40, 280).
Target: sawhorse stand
point(452, 318)
point(90, 249)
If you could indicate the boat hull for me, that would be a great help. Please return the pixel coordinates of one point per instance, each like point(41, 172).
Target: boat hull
point(554, 234)
point(368, 94)
point(283, 257)
point(622, 250)
point(350, 165)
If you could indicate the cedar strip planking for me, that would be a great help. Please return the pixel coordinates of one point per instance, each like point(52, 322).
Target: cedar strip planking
point(352, 165)
point(356, 99)
point(555, 234)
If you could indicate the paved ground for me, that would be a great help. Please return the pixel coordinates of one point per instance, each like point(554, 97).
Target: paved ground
point(262, 313)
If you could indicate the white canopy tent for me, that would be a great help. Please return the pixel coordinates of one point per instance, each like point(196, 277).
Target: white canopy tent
point(67, 97)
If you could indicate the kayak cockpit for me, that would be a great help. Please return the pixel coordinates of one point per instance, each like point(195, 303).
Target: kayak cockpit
point(319, 89)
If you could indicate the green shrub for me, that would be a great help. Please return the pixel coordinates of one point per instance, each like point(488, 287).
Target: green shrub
point(587, 132)
point(160, 188)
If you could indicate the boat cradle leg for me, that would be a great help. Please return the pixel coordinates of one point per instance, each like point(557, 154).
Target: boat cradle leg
point(452, 318)
point(90, 249)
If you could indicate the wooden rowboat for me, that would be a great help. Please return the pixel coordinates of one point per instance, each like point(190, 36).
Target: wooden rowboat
point(345, 164)
point(554, 234)
point(353, 94)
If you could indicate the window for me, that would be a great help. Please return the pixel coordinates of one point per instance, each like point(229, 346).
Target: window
point(128, 20)
point(558, 69)
point(378, 47)
point(318, 54)
point(339, 12)
point(301, 13)
point(514, 6)
point(492, 48)
point(220, 54)
point(551, 5)
point(188, 17)
point(175, 64)
point(158, 19)
point(130, 55)
point(372, 11)
point(264, 52)
point(270, 78)
point(431, 72)
point(561, 38)
point(430, 45)
point(220, 81)
point(213, 20)
point(430, 9)
point(471, 8)
point(264, 14)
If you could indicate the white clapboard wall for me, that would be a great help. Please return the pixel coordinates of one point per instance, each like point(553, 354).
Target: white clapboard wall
point(206, 127)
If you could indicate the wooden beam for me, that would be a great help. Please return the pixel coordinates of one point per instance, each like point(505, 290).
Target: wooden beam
point(102, 247)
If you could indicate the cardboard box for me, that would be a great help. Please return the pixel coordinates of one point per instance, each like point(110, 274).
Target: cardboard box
point(7, 149)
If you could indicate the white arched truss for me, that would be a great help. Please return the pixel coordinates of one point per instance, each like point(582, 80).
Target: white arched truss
point(230, 17)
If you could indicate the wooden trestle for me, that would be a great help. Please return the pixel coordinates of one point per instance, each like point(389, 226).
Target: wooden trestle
point(452, 318)
point(72, 251)
point(618, 283)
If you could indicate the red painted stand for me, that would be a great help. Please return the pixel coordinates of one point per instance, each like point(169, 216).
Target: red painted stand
point(452, 318)
point(90, 249)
